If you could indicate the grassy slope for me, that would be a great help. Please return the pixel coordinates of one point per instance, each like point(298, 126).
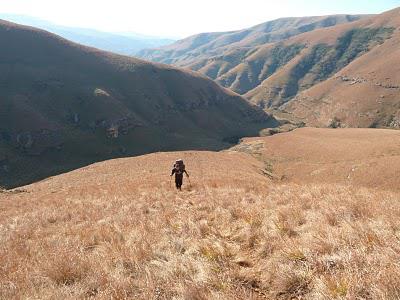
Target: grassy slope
point(243, 60)
point(316, 63)
point(365, 93)
point(60, 101)
point(354, 157)
point(117, 229)
point(347, 77)
point(204, 46)
point(343, 75)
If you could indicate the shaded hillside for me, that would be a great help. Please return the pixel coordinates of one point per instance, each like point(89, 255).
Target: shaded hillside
point(64, 105)
point(198, 51)
point(126, 44)
point(118, 230)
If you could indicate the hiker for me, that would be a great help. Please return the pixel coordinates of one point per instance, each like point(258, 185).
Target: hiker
point(178, 170)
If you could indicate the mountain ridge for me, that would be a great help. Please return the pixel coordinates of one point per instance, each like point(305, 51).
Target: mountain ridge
point(121, 43)
point(57, 95)
point(275, 75)
point(207, 42)
point(362, 94)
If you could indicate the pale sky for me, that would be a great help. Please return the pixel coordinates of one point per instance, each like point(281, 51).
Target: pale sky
point(181, 18)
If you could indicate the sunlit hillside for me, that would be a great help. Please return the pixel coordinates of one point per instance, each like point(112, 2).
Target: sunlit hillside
point(331, 71)
point(238, 230)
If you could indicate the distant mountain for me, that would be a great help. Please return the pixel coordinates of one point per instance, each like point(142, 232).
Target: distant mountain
point(348, 76)
point(215, 53)
point(64, 105)
point(336, 71)
point(126, 43)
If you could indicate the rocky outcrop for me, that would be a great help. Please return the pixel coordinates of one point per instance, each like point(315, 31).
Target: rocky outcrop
point(37, 142)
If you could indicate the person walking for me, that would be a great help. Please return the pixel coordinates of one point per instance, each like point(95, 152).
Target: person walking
point(178, 170)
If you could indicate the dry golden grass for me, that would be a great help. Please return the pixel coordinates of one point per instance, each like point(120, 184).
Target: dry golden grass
point(117, 230)
point(347, 156)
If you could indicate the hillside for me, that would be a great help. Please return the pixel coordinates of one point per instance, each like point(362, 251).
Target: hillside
point(121, 43)
point(117, 229)
point(243, 60)
point(195, 51)
point(348, 78)
point(65, 105)
point(354, 157)
point(366, 93)
point(342, 75)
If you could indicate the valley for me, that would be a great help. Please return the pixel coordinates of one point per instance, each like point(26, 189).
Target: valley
point(289, 134)
point(65, 106)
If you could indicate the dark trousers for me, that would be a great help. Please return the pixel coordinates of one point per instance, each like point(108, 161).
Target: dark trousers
point(178, 180)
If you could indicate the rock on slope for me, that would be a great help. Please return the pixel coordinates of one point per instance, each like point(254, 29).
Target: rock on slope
point(64, 105)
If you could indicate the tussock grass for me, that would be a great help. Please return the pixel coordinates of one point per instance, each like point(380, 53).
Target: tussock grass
point(211, 241)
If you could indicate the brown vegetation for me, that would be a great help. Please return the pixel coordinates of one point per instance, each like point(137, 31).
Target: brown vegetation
point(363, 94)
point(347, 76)
point(57, 96)
point(347, 156)
point(118, 230)
point(333, 71)
point(206, 50)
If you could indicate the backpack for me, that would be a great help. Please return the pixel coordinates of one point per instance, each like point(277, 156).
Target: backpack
point(179, 165)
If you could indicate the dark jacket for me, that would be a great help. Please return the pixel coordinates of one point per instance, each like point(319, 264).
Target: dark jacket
point(178, 173)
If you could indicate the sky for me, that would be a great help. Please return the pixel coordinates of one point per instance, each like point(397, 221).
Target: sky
point(181, 18)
